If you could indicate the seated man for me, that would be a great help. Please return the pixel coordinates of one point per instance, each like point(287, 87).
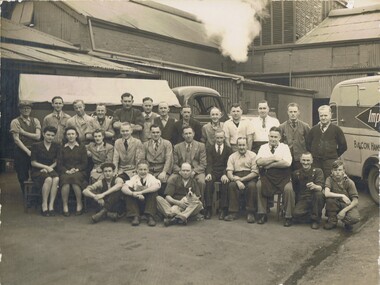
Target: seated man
point(308, 184)
point(106, 193)
point(242, 172)
point(141, 191)
point(181, 200)
point(127, 152)
point(274, 160)
point(342, 198)
point(159, 154)
point(217, 156)
point(194, 153)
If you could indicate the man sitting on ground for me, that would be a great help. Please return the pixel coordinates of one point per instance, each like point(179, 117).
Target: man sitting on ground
point(308, 184)
point(141, 191)
point(106, 193)
point(181, 200)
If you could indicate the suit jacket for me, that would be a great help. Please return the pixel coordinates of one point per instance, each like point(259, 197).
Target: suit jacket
point(168, 130)
point(160, 160)
point(177, 133)
point(197, 156)
point(217, 164)
point(126, 160)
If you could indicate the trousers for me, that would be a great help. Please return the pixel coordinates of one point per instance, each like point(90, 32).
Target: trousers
point(335, 205)
point(288, 200)
point(147, 206)
point(310, 206)
point(170, 211)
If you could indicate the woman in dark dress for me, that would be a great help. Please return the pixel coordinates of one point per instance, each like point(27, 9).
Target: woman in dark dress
point(44, 160)
point(72, 165)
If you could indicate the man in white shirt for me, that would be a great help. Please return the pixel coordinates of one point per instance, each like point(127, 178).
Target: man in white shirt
point(238, 127)
point(274, 160)
point(261, 125)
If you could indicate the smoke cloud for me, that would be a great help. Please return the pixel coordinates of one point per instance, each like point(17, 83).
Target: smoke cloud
point(233, 24)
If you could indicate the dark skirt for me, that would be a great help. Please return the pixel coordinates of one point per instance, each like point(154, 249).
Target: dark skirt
point(78, 178)
point(39, 177)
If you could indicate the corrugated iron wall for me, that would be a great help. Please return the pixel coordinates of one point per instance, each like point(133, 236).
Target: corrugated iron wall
point(323, 84)
point(227, 87)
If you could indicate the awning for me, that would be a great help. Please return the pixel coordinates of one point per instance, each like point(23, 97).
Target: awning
point(93, 90)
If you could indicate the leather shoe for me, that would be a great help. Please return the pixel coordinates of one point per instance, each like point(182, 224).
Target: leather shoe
point(348, 227)
point(99, 216)
point(45, 213)
point(78, 213)
point(230, 217)
point(314, 225)
point(251, 218)
point(262, 220)
point(208, 214)
point(66, 214)
point(51, 213)
point(169, 222)
point(151, 221)
point(288, 222)
point(222, 214)
point(329, 226)
point(136, 221)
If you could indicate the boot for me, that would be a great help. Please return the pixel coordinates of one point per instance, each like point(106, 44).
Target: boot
point(99, 216)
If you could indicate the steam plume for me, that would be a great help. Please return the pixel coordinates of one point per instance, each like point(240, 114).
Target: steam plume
point(233, 24)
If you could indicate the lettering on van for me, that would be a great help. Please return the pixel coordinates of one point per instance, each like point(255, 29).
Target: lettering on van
point(371, 117)
point(366, 146)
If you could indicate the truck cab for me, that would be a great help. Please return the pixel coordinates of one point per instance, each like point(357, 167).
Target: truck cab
point(356, 110)
point(202, 100)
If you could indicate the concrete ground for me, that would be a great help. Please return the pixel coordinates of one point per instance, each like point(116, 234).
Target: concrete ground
point(60, 250)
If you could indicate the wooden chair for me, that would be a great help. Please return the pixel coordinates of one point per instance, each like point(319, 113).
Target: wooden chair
point(216, 198)
point(30, 194)
point(278, 201)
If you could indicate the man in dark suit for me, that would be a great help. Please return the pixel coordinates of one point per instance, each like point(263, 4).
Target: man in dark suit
point(159, 154)
point(194, 153)
point(184, 122)
point(217, 157)
point(165, 123)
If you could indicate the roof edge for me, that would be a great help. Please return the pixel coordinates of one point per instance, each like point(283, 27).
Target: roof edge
point(354, 11)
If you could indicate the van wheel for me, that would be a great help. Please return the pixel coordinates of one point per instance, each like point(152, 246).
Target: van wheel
point(373, 184)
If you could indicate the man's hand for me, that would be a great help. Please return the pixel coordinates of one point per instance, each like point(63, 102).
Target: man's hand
point(162, 176)
point(43, 170)
point(341, 215)
point(208, 177)
point(98, 197)
point(100, 202)
point(224, 179)
point(240, 185)
point(346, 199)
point(311, 186)
point(183, 204)
point(29, 153)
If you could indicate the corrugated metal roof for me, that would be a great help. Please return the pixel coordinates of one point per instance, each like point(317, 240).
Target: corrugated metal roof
point(15, 31)
point(45, 55)
point(143, 17)
point(355, 24)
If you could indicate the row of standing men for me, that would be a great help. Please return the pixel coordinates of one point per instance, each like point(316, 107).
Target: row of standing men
point(216, 152)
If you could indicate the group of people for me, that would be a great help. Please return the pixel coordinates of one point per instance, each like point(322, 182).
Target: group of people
point(136, 163)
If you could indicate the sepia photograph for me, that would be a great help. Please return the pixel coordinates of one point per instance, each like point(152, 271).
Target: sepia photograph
point(189, 142)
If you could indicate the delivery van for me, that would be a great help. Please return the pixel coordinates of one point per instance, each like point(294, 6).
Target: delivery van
point(39, 89)
point(356, 110)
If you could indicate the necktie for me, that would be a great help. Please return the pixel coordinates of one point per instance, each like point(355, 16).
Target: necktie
point(219, 149)
point(156, 146)
point(126, 145)
point(147, 118)
point(294, 125)
point(142, 182)
point(272, 149)
point(263, 123)
point(323, 128)
point(187, 156)
point(58, 117)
